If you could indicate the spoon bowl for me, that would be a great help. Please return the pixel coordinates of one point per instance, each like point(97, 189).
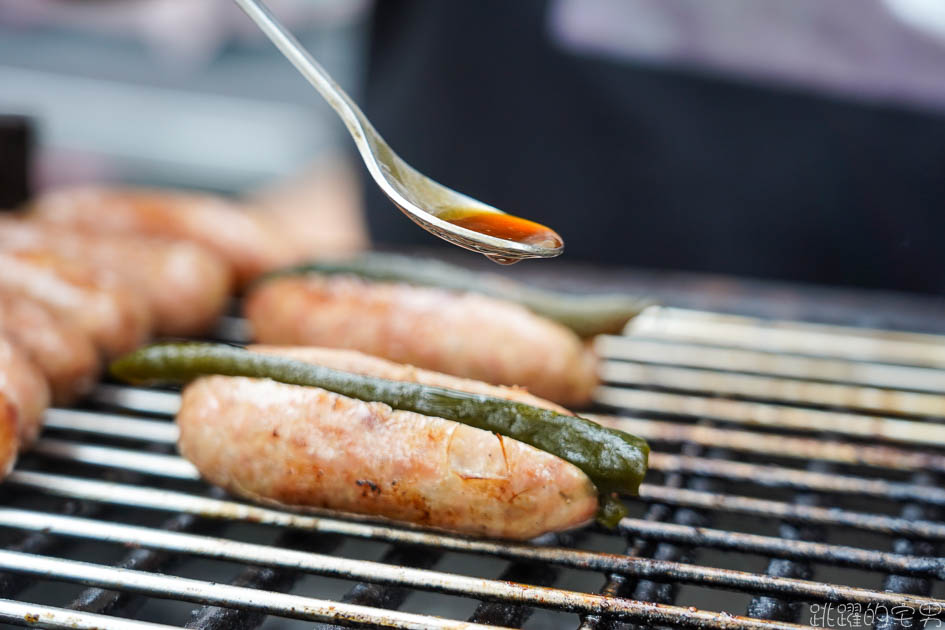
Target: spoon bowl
point(451, 215)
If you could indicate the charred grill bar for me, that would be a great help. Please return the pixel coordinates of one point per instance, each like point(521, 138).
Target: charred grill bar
point(785, 455)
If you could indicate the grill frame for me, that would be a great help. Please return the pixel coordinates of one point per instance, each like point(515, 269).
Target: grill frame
point(682, 506)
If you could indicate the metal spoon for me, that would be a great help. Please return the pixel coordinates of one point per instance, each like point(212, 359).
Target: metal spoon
point(431, 205)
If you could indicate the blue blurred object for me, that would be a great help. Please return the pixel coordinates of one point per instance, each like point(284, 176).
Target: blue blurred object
point(170, 92)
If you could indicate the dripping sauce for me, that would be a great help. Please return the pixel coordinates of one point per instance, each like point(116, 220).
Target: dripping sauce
point(504, 226)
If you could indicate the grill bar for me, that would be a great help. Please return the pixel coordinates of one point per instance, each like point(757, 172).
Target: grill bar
point(786, 511)
point(94, 600)
point(12, 584)
point(618, 584)
point(884, 457)
point(219, 618)
point(827, 450)
point(148, 463)
point(674, 352)
point(511, 613)
point(100, 601)
point(784, 548)
point(157, 585)
point(909, 584)
point(180, 469)
point(112, 425)
point(432, 580)
point(765, 476)
point(766, 607)
point(656, 590)
point(724, 385)
point(729, 411)
point(780, 389)
point(136, 399)
point(775, 416)
point(818, 340)
point(391, 596)
point(658, 531)
point(297, 607)
point(214, 508)
point(262, 578)
point(704, 373)
point(37, 616)
point(779, 476)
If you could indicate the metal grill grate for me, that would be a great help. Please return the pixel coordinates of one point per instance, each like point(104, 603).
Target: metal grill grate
point(794, 466)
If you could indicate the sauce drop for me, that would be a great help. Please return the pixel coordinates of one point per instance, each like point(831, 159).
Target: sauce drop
point(502, 260)
point(503, 226)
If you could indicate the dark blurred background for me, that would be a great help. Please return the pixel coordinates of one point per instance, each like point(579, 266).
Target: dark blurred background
point(717, 143)
point(801, 141)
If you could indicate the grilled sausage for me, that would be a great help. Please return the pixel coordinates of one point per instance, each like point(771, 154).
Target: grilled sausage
point(63, 352)
point(309, 448)
point(9, 442)
point(186, 285)
point(24, 388)
point(248, 243)
point(464, 334)
point(115, 316)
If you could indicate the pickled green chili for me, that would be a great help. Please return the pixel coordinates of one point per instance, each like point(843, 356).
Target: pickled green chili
point(586, 315)
point(615, 461)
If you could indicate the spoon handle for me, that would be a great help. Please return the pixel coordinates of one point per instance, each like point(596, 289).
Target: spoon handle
point(305, 64)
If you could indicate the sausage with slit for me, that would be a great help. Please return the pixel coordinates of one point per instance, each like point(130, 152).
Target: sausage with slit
point(24, 388)
point(9, 442)
point(115, 316)
point(187, 285)
point(63, 352)
point(464, 334)
point(306, 447)
point(248, 243)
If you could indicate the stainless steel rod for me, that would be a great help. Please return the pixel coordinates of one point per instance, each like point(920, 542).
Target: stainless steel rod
point(113, 425)
point(817, 340)
point(778, 445)
point(544, 597)
point(782, 389)
point(885, 457)
point(772, 416)
point(149, 498)
point(758, 544)
point(761, 508)
point(39, 616)
point(168, 586)
point(136, 399)
point(686, 354)
point(762, 475)
point(148, 463)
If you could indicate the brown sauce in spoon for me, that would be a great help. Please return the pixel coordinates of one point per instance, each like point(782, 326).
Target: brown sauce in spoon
point(504, 226)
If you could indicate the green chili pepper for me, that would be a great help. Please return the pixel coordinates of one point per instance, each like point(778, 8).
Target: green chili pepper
point(615, 461)
point(587, 315)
